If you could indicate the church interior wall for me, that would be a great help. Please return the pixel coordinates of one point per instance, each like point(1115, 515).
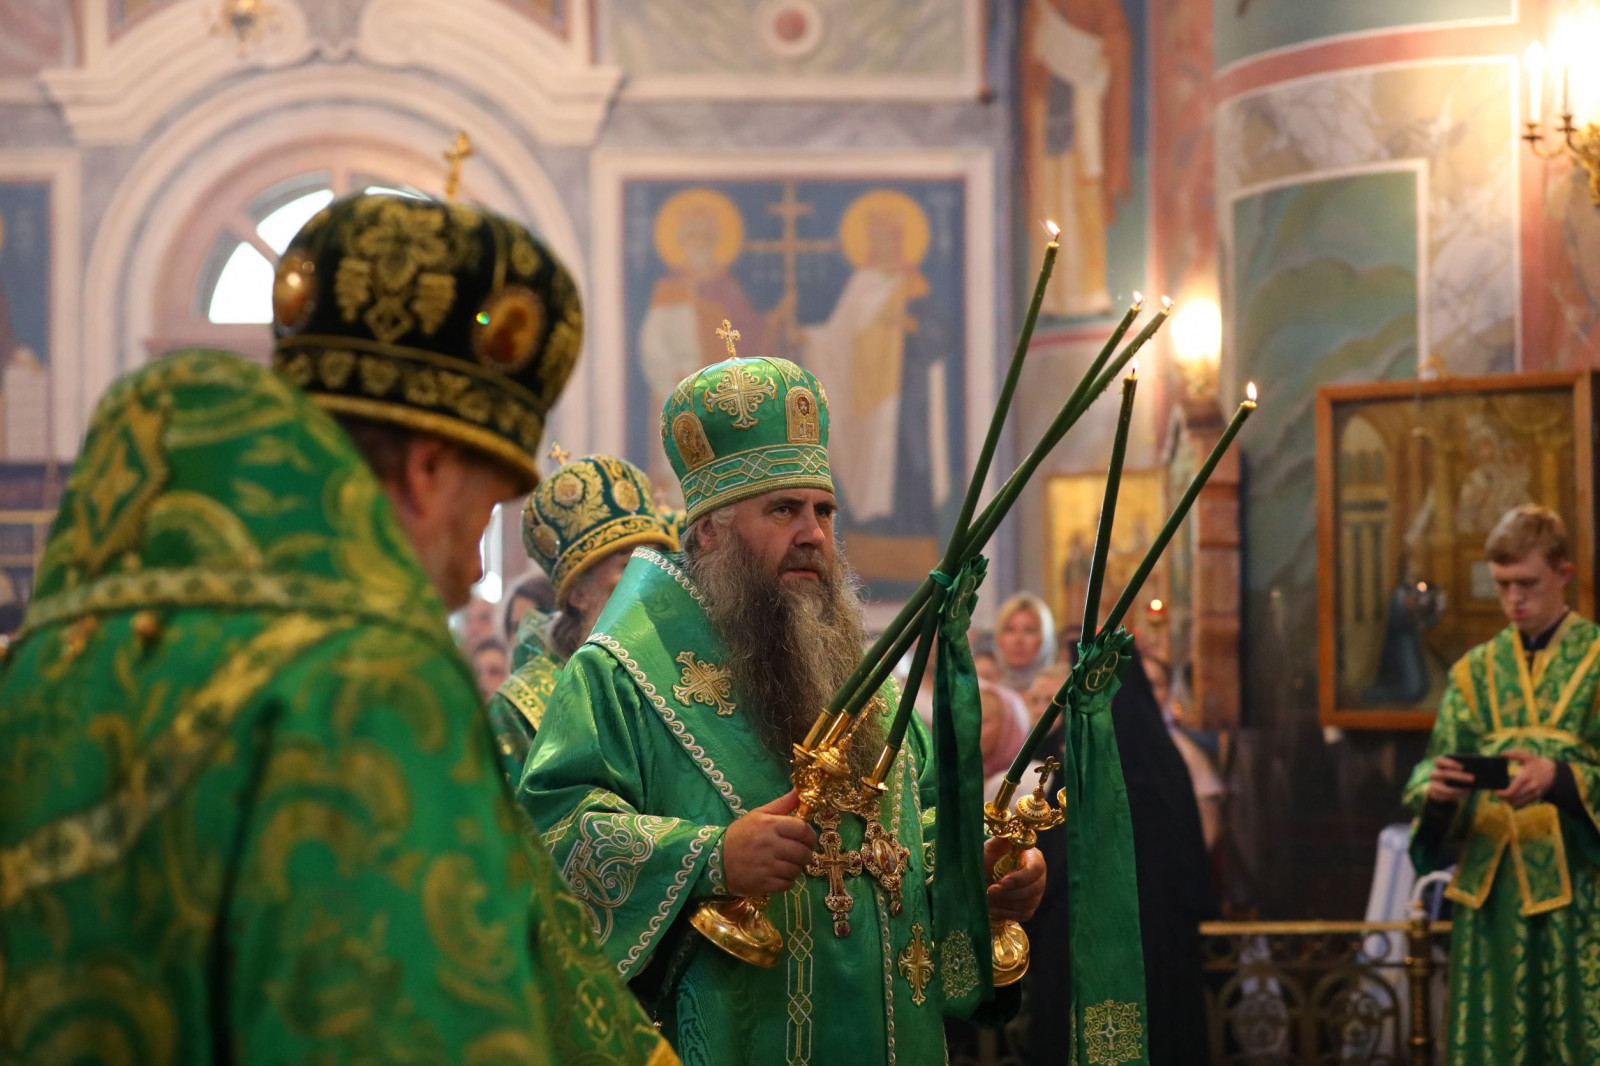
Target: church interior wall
point(1347, 185)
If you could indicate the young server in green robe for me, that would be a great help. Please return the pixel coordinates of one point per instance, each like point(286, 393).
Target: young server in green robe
point(661, 775)
point(580, 525)
point(249, 809)
point(1525, 950)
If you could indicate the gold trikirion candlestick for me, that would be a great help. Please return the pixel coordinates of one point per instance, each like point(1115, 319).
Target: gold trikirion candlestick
point(1008, 944)
point(821, 777)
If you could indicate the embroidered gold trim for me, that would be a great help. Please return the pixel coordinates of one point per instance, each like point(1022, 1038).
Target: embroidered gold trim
point(314, 343)
point(756, 488)
point(1578, 677)
point(630, 531)
point(800, 973)
point(1529, 826)
point(447, 426)
point(224, 590)
point(661, 562)
point(529, 701)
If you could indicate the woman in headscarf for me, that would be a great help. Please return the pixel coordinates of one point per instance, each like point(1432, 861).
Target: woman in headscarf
point(1025, 639)
point(1175, 893)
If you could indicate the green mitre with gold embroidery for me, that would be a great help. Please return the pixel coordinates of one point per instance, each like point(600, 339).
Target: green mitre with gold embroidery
point(586, 510)
point(742, 427)
point(439, 317)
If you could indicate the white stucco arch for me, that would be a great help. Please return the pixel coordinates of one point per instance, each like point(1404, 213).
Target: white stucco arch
point(245, 121)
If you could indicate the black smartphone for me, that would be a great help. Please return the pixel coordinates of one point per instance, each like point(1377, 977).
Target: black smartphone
point(1489, 772)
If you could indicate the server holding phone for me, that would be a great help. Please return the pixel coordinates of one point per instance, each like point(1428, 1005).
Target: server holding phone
point(1509, 792)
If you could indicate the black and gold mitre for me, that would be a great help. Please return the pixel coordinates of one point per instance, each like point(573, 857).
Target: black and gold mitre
point(440, 317)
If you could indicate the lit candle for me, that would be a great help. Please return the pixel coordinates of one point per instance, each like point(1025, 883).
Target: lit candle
point(1566, 91)
point(1176, 519)
point(1533, 59)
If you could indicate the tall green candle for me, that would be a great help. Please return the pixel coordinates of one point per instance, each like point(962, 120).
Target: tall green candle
point(1169, 530)
point(1108, 505)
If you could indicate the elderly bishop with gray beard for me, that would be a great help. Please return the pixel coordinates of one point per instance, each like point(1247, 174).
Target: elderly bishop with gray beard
point(661, 776)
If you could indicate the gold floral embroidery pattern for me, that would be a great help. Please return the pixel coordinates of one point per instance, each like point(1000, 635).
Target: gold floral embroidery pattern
point(958, 966)
point(739, 392)
point(1112, 1033)
point(400, 262)
point(575, 500)
point(718, 780)
point(706, 683)
point(605, 862)
point(95, 838)
point(125, 470)
point(679, 883)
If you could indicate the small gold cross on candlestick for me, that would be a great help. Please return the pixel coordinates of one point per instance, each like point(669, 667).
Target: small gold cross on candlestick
point(455, 156)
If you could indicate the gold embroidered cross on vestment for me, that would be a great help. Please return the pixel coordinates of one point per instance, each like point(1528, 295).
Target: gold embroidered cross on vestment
point(706, 683)
point(916, 964)
point(739, 393)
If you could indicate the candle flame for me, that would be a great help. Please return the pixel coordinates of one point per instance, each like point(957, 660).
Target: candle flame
point(1250, 394)
point(1138, 299)
point(1052, 229)
point(1133, 369)
point(1166, 305)
point(1156, 606)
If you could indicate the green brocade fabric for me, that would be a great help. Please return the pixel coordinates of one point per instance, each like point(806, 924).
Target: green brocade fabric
point(1524, 958)
point(961, 881)
point(644, 758)
point(517, 707)
point(1108, 992)
point(248, 804)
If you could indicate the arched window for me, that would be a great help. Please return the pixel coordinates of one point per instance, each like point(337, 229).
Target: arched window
point(217, 279)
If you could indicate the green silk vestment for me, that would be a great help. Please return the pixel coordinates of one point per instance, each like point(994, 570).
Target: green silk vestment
point(249, 809)
point(1525, 951)
point(517, 706)
point(643, 759)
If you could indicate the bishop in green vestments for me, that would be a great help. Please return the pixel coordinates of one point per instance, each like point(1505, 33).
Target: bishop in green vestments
point(1525, 950)
point(249, 809)
point(579, 525)
point(661, 773)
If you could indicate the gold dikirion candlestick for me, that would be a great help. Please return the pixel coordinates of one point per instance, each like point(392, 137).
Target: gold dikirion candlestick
point(1008, 944)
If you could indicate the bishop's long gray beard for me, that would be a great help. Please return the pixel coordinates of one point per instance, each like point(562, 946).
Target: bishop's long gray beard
point(789, 645)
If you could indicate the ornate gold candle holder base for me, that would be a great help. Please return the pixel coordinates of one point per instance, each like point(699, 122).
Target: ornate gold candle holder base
point(1008, 944)
point(741, 928)
point(1008, 948)
point(821, 777)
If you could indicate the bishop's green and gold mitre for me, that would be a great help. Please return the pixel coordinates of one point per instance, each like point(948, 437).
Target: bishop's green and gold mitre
point(440, 317)
point(742, 427)
point(585, 511)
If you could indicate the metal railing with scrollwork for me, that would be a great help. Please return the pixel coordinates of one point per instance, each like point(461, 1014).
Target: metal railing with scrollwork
point(1356, 993)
